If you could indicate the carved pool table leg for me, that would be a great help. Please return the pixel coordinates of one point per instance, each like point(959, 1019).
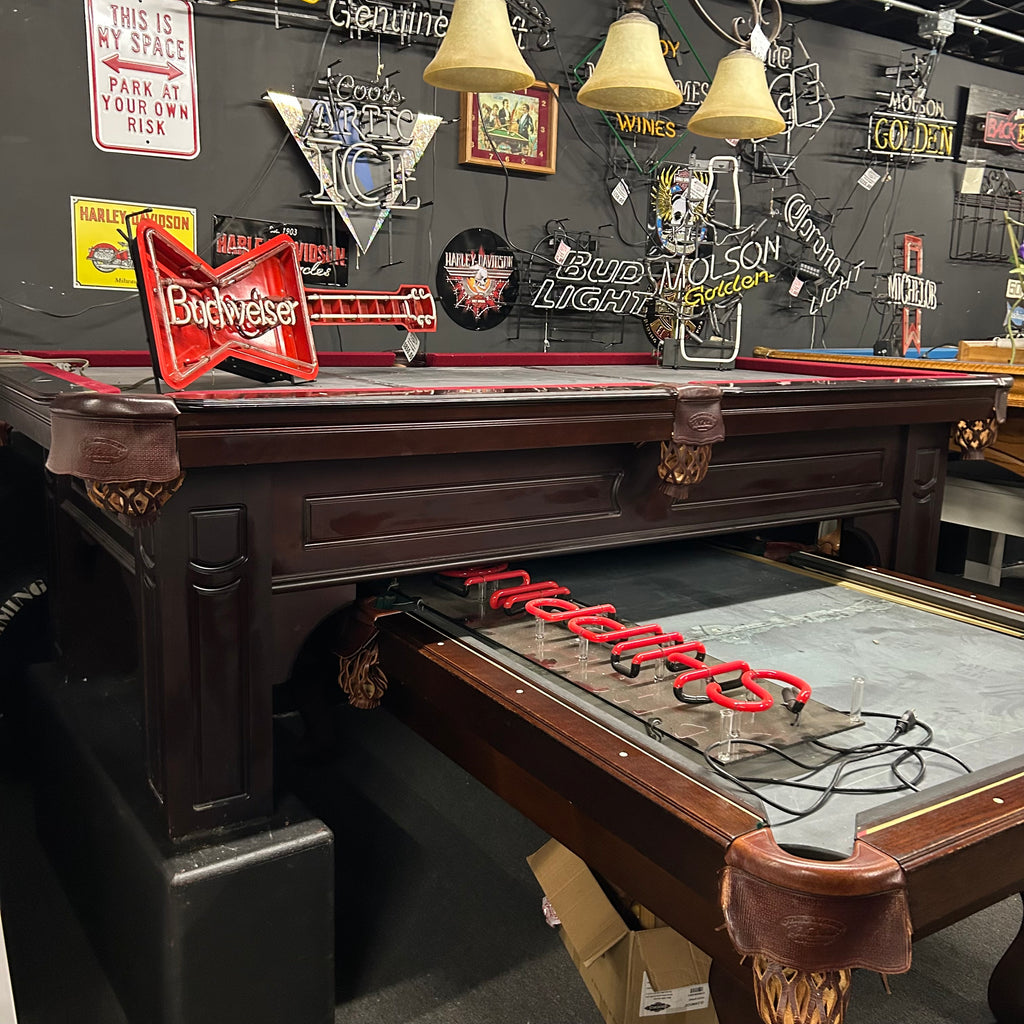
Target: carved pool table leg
point(780, 995)
point(1006, 986)
point(788, 996)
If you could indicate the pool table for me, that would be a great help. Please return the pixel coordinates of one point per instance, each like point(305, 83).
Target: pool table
point(1006, 451)
point(630, 778)
point(241, 515)
point(210, 531)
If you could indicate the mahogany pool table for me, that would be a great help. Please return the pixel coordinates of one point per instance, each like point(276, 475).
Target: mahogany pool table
point(232, 518)
point(611, 764)
point(252, 512)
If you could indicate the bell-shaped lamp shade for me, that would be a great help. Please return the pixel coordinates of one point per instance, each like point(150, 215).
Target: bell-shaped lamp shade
point(479, 52)
point(738, 104)
point(631, 73)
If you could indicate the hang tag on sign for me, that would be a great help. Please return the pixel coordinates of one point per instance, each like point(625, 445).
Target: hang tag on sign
point(411, 346)
point(698, 189)
point(562, 252)
point(796, 287)
point(621, 192)
point(869, 179)
point(759, 43)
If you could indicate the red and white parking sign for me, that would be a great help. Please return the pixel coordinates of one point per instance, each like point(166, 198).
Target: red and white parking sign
point(142, 73)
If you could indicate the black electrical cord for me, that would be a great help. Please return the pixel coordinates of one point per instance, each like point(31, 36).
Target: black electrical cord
point(844, 763)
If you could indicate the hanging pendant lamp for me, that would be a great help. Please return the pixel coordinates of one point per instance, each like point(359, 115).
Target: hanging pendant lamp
point(631, 74)
point(479, 52)
point(739, 103)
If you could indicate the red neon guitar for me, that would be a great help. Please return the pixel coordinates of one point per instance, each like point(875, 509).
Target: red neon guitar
point(253, 309)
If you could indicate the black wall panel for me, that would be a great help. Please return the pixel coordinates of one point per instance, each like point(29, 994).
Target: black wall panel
point(247, 166)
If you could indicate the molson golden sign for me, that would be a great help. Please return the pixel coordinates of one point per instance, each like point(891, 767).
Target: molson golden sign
point(895, 134)
point(911, 125)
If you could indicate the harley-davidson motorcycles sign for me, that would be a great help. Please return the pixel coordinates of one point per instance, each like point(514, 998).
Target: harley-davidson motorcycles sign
point(323, 261)
point(477, 281)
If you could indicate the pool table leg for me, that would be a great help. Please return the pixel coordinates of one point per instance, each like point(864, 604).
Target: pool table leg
point(1006, 986)
point(781, 995)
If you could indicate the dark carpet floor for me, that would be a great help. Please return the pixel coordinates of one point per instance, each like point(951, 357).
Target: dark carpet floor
point(442, 924)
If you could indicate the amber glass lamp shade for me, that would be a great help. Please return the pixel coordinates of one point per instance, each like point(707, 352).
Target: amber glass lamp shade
point(479, 52)
point(631, 74)
point(739, 104)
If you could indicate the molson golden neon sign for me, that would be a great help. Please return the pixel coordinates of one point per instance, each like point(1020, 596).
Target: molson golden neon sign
point(740, 283)
point(911, 126)
point(892, 134)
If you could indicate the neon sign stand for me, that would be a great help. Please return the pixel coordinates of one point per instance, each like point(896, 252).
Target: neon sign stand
point(252, 316)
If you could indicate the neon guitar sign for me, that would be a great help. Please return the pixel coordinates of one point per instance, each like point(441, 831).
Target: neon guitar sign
point(253, 311)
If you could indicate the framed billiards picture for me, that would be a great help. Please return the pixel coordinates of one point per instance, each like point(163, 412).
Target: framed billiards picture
point(517, 129)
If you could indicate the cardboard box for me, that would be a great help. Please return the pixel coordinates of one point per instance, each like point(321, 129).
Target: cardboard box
point(636, 976)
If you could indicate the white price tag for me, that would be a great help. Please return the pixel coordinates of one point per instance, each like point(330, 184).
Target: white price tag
point(1014, 288)
point(974, 178)
point(411, 346)
point(733, 142)
point(869, 179)
point(562, 252)
point(796, 287)
point(759, 43)
point(621, 192)
point(698, 189)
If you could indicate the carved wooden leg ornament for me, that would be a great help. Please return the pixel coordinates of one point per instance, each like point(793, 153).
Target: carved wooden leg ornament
point(972, 437)
point(139, 500)
point(697, 426)
point(787, 996)
point(360, 676)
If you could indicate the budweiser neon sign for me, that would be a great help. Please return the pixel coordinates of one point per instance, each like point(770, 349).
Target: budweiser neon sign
point(252, 310)
point(249, 317)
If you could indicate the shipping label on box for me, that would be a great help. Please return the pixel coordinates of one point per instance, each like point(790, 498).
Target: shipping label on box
point(657, 1003)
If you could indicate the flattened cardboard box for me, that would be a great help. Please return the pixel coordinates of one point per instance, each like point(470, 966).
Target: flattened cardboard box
point(634, 976)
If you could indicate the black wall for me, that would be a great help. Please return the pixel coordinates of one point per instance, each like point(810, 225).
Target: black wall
point(248, 167)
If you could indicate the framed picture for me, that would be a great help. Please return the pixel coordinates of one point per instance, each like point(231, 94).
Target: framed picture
point(519, 129)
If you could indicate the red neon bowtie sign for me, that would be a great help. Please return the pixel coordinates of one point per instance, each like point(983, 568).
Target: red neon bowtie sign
point(254, 308)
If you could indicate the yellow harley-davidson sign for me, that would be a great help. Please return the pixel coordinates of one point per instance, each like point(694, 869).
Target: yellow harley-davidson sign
point(100, 252)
